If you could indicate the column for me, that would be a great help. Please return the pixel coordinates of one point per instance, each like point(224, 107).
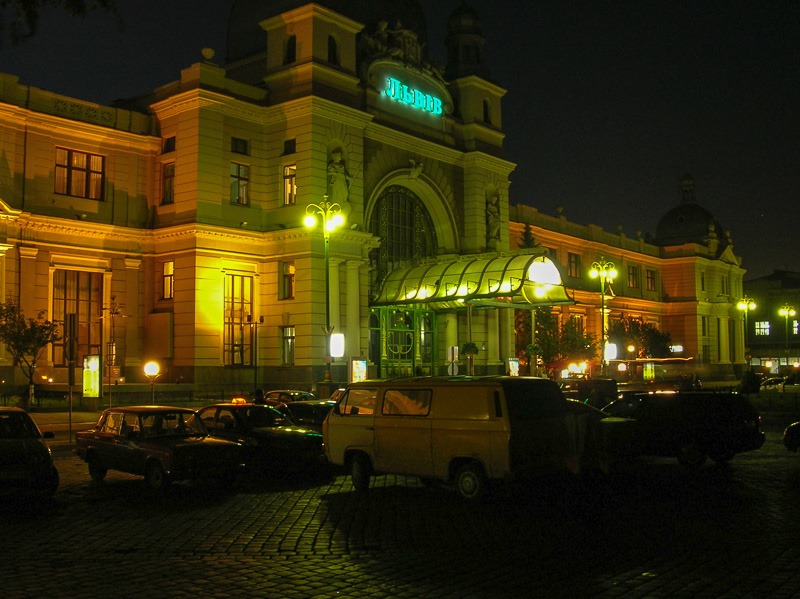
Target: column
point(352, 332)
point(132, 355)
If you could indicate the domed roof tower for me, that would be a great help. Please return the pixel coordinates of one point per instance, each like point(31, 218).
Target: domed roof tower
point(464, 44)
point(688, 222)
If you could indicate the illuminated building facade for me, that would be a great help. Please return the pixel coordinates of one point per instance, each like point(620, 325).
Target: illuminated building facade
point(172, 224)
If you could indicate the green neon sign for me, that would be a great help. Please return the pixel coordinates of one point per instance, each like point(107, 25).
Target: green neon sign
point(399, 91)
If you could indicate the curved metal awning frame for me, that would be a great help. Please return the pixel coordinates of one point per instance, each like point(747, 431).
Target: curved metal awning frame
point(517, 281)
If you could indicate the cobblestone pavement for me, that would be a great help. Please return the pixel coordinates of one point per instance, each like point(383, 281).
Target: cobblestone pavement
point(653, 530)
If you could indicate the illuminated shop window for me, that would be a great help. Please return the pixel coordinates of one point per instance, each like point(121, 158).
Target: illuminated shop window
point(240, 183)
point(762, 327)
point(79, 174)
point(168, 183)
point(168, 280)
point(76, 292)
point(287, 345)
point(238, 333)
point(289, 184)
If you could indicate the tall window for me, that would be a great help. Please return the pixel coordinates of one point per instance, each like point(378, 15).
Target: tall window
point(240, 183)
point(333, 51)
point(704, 326)
point(291, 50)
point(404, 225)
point(80, 293)
point(80, 174)
point(762, 327)
point(573, 265)
point(168, 280)
point(724, 284)
point(286, 282)
point(287, 345)
point(289, 184)
point(238, 334)
point(651, 279)
point(168, 183)
point(702, 281)
point(633, 276)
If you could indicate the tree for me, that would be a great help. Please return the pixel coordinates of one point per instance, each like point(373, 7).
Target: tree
point(20, 18)
point(644, 336)
point(25, 338)
point(526, 240)
point(555, 344)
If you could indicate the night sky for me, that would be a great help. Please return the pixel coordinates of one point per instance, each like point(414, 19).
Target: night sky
point(609, 104)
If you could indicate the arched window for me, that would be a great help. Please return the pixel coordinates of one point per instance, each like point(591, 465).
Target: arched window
point(333, 51)
point(291, 50)
point(406, 231)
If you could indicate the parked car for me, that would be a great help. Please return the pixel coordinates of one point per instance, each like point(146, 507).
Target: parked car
point(691, 425)
point(309, 414)
point(161, 443)
point(791, 436)
point(465, 431)
point(287, 395)
point(26, 464)
point(271, 440)
point(773, 382)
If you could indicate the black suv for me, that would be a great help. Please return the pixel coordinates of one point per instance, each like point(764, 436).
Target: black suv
point(691, 425)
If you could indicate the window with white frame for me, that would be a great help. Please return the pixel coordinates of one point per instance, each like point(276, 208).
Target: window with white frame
point(287, 345)
point(168, 280)
point(762, 327)
point(286, 282)
point(289, 184)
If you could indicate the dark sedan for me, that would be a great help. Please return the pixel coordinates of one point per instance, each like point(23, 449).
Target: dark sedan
point(161, 443)
point(691, 425)
point(791, 436)
point(309, 414)
point(26, 464)
point(272, 441)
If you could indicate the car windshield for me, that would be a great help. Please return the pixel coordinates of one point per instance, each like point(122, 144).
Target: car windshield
point(17, 426)
point(158, 424)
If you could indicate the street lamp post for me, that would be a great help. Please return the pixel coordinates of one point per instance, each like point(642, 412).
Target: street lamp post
point(330, 214)
point(786, 311)
point(605, 271)
point(745, 305)
point(152, 371)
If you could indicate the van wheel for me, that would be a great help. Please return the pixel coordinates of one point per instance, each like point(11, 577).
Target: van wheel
point(471, 481)
point(690, 454)
point(360, 472)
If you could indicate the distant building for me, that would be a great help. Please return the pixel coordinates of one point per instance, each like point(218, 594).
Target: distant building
point(172, 224)
point(773, 332)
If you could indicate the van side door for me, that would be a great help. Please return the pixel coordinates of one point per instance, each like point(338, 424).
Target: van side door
point(403, 432)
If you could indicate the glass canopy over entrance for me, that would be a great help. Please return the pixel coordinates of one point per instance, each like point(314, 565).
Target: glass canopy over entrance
point(518, 281)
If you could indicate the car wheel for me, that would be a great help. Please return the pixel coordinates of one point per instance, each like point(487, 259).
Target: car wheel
point(470, 481)
point(360, 471)
point(96, 469)
point(156, 478)
point(690, 454)
point(52, 483)
point(722, 455)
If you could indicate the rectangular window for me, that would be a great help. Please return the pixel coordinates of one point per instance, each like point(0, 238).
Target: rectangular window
point(724, 284)
point(239, 145)
point(633, 276)
point(289, 146)
point(795, 327)
point(650, 279)
point(704, 326)
point(762, 327)
point(79, 174)
point(168, 183)
point(168, 280)
point(406, 402)
point(286, 283)
point(80, 293)
point(289, 184)
point(287, 345)
point(574, 265)
point(702, 281)
point(238, 334)
point(169, 145)
point(240, 182)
